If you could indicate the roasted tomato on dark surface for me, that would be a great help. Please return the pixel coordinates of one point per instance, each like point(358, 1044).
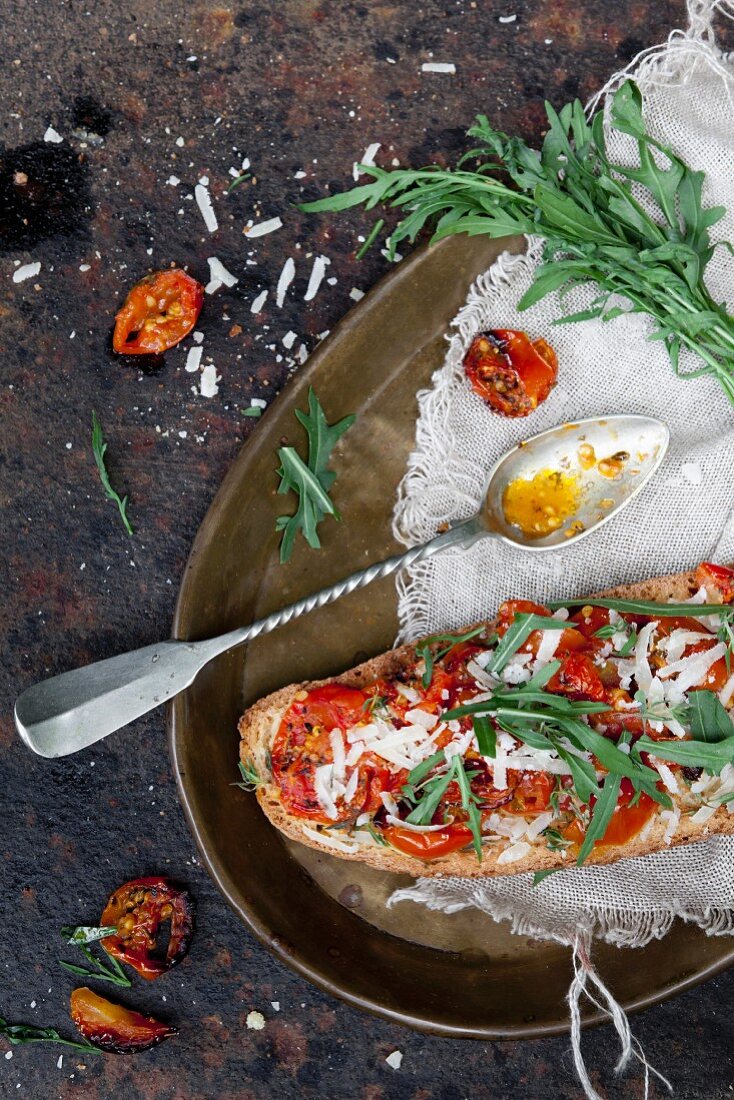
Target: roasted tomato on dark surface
point(718, 581)
point(511, 373)
point(158, 312)
point(113, 1027)
point(138, 909)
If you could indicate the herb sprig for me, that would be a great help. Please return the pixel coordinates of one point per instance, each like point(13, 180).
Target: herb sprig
point(17, 1034)
point(311, 481)
point(108, 970)
point(99, 449)
point(593, 215)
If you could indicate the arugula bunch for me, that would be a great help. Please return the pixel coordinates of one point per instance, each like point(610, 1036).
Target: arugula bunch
point(640, 232)
point(311, 480)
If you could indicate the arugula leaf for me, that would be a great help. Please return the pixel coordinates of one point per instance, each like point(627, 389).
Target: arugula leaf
point(650, 607)
point(108, 970)
point(17, 1034)
point(711, 756)
point(312, 480)
point(639, 231)
point(424, 651)
point(709, 720)
point(516, 635)
point(99, 449)
point(469, 803)
point(486, 736)
point(601, 815)
point(540, 875)
point(432, 795)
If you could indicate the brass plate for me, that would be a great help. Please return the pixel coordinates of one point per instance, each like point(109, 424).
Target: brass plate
point(460, 975)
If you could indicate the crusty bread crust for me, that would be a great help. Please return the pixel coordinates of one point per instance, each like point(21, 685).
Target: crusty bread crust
point(259, 724)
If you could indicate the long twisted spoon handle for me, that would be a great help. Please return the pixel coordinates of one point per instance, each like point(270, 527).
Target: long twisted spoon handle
point(71, 711)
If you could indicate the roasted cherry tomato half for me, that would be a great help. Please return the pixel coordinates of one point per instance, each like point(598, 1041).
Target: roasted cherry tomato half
point(158, 312)
point(428, 845)
point(626, 821)
point(303, 743)
point(138, 909)
point(508, 371)
point(579, 678)
point(510, 609)
point(531, 793)
point(717, 580)
point(114, 1028)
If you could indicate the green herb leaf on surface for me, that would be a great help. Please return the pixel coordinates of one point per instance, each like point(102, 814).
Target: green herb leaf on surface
point(18, 1034)
point(311, 481)
point(99, 449)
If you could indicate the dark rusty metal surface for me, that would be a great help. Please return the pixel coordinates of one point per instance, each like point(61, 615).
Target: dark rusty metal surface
point(141, 93)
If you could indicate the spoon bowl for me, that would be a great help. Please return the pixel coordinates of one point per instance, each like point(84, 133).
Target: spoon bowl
point(606, 462)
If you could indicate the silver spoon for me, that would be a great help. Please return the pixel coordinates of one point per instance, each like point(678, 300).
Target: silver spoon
point(71, 711)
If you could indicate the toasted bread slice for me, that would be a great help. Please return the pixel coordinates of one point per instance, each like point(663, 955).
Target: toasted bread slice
point(259, 725)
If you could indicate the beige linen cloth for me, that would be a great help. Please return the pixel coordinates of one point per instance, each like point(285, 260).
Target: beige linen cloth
point(682, 516)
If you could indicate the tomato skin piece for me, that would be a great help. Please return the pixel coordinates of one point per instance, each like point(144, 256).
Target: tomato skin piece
point(428, 845)
point(509, 372)
point(137, 909)
point(578, 678)
point(158, 313)
point(718, 580)
point(114, 1028)
point(531, 793)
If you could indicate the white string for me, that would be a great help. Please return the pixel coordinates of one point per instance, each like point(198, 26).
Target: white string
point(586, 975)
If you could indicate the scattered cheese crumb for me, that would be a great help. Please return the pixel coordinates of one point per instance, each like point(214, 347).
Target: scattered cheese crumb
point(506, 18)
point(198, 337)
point(26, 271)
point(180, 142)
point(317, 274)
point(438, 67)
point(289, 339)
point(356, 294)
point(218, 275)
point(258, 403)
point(53, 136)
point(255, 1021)
point(299, 175)
point(367, 160)
point(258, 302)
point(276, 1005)
point(173, 181)
point(209, 381)
point(287, 276)
point(84, 267)
point(60, 1062)
point(193, 359)
point(395, 1059)
point(204, 202)
point(262, 228)
point(8, 1054)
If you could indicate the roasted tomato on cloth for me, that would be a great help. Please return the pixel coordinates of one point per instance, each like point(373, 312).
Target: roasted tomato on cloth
point(158, 312)
point(718, 581)
point(509, 371)
point(114, 1028)
point(138, 909)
